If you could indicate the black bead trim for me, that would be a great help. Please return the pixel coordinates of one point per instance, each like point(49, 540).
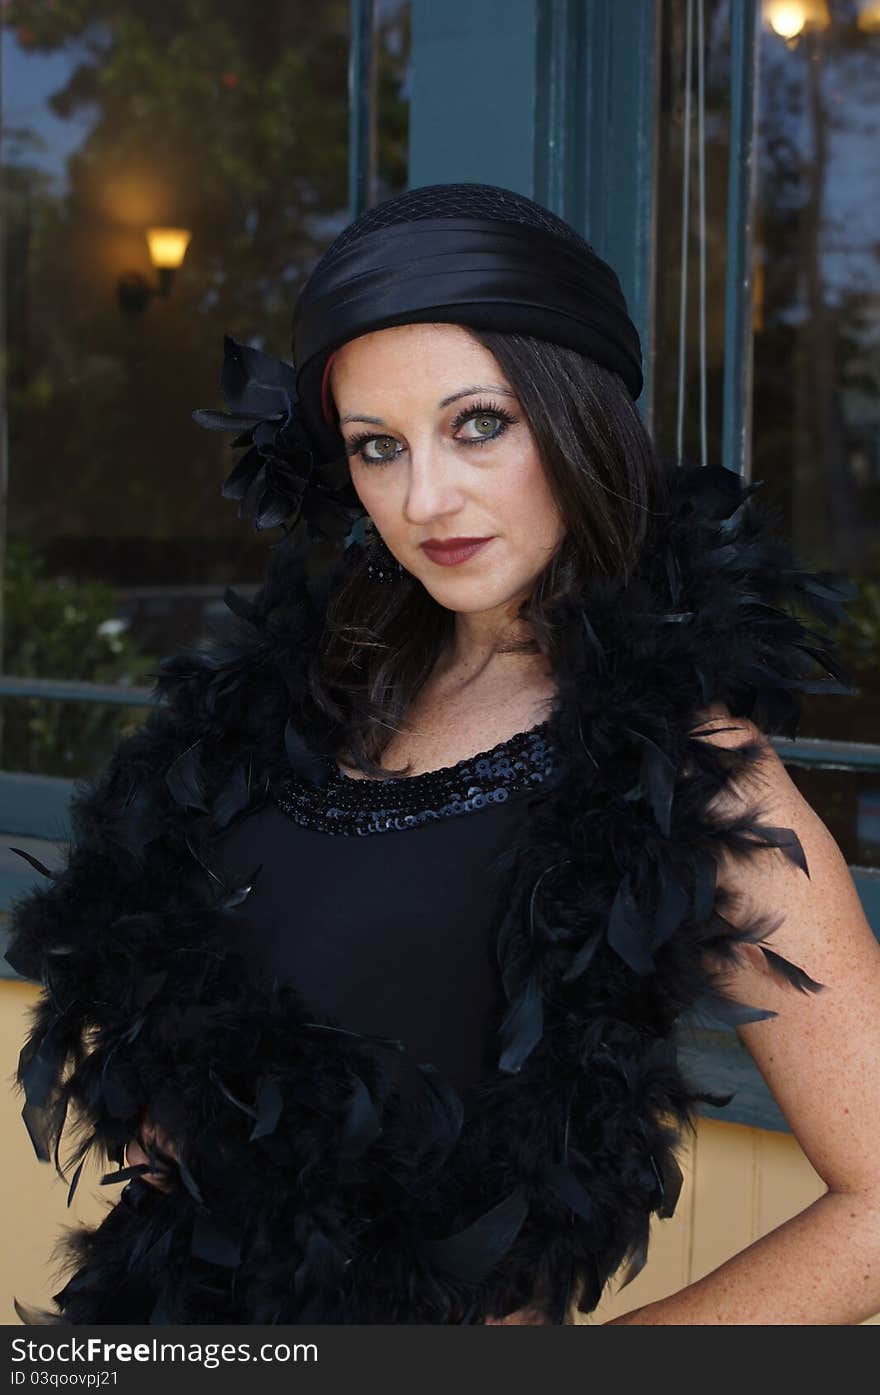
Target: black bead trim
point(362, 806)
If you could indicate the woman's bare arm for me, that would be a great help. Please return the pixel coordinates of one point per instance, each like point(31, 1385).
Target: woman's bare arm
point(820, 1056)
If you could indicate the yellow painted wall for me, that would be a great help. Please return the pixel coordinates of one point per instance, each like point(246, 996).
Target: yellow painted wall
point(33, 1197)
point(739, 1183)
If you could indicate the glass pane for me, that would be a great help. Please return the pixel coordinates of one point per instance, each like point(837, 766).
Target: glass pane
point(117, 119)
point(850, 805)
point(816, 314)
point(816, 327)
point(71, 739)
point(229, 122)
point(669, 222)
point(391, 20)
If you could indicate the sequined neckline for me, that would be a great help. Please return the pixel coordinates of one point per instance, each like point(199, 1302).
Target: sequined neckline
point(443, 771)
point(348, 805)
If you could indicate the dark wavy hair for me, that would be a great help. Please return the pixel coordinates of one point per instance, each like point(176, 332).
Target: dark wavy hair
point(382, 642)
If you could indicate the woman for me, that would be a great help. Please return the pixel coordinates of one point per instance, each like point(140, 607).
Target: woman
point(372, 945)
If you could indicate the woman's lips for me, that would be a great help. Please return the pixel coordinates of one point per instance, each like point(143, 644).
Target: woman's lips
point(450, 557)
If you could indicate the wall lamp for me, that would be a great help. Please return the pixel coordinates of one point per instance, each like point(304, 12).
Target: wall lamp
point(167, 251)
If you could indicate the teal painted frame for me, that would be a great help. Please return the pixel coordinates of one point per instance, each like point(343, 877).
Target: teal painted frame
point(562, 94)
point(572, 101)
point(620, 152)
point(466, 125)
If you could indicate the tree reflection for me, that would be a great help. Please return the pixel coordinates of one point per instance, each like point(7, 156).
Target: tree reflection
point(816, 416)
point(231, 120)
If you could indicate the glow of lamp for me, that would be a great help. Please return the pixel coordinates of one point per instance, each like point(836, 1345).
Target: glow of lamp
point(868, 18)
point(788, 18)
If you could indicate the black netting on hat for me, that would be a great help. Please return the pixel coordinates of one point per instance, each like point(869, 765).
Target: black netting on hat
point(452, 201)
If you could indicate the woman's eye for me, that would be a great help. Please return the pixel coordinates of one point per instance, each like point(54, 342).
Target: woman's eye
point(484, 425)
point(474, 426)
point(378, 448)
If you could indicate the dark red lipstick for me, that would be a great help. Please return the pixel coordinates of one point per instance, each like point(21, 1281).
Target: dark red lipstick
point(448, 552)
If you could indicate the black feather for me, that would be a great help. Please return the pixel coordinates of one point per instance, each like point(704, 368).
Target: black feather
point(34, 862)
point(362, 1125)
point(522, 1027)
point(565, 1184)
point(448, 1111)
point(184, 778)
point(303, 761)
point(74, 1181)
point(270, 1103)
point(628, 935)
point(471, 1252)
point(787, 841)
point(790, 973)
point(233, 798)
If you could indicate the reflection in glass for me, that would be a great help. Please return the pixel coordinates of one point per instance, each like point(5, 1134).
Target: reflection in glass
point(815, 412)
point(391, 20)
point(670, 162)
point(816, 432)
point(850, 805)
point(118, 120)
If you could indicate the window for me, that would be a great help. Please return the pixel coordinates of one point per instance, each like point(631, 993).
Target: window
point(812, 328)
point(235, 132)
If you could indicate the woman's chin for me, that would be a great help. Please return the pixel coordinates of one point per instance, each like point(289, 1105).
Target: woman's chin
point(465, 605)
point(471, 595)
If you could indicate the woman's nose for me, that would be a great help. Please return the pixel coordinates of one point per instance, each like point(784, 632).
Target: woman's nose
point(433, 486)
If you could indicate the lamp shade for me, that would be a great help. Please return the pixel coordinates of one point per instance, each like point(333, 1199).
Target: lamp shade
point(168, 246)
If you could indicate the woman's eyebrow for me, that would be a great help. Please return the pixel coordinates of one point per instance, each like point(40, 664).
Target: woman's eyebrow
point(445, 402)
point(469, 392)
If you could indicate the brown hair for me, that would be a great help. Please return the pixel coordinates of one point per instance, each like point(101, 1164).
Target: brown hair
point(382, 642)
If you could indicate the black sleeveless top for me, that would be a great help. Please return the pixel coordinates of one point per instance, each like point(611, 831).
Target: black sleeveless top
point(375, 897)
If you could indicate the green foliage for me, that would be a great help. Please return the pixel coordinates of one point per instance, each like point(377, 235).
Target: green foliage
point(860, 642)
point(57, 629)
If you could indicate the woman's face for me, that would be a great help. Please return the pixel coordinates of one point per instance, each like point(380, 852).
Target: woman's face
point(440, 449)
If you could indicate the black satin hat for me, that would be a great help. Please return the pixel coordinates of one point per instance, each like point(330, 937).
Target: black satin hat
point(468, 254)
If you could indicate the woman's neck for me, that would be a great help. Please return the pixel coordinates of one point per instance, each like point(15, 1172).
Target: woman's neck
point(480, 642)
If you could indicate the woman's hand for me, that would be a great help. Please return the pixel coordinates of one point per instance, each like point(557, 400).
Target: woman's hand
point(523, 1317)
point(137, 1152)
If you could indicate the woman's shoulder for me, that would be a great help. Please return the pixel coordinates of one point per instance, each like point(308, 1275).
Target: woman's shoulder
point(759, 773)
point(758, 783)
point(800, 878)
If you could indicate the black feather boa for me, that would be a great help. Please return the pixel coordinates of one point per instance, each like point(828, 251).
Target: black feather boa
point(302, 1193)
